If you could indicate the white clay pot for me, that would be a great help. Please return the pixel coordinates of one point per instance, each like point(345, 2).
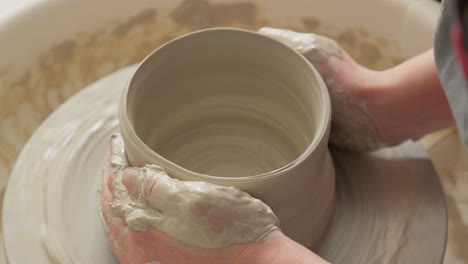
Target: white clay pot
point(235, 108)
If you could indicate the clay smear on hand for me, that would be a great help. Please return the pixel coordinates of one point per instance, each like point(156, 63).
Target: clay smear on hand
point(324, 53)
point(352, 125)
point(198, 213)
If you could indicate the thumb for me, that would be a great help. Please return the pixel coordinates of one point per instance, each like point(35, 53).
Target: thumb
point(324, 53)
point(149, 184)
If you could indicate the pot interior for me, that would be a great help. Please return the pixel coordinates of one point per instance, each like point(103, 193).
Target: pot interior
point(227, 103)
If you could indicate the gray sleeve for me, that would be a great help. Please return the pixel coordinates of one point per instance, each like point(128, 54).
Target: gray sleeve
point(451, 75)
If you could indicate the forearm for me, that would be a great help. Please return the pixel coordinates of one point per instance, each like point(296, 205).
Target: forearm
point(408, 100)
point(279, 249)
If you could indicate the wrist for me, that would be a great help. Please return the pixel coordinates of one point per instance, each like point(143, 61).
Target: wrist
point(279, 249)
point(407, 101)
point(380, 96)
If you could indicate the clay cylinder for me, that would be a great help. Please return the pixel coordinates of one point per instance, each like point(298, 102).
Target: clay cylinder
point(236, 108)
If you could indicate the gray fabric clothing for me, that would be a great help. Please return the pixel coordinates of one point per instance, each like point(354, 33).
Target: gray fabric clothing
point(451, 74)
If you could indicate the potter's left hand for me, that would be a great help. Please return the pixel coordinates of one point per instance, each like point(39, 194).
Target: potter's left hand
point(186, 207)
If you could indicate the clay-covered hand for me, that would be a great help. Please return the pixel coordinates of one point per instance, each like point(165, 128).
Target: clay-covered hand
point(354, 126)
point(151, 218)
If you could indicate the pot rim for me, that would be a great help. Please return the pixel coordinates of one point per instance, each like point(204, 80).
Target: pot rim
point(131, 138)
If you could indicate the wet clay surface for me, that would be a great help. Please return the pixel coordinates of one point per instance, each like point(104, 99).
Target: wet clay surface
point(29, 94)
point(194, 212)
point(382, 215)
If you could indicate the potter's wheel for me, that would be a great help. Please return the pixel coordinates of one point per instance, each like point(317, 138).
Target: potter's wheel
point(389, 204)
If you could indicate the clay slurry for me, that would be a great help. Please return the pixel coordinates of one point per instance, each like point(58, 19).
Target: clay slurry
point(190, 209)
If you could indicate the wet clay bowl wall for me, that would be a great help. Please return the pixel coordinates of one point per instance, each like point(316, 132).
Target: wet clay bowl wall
point(235, 108)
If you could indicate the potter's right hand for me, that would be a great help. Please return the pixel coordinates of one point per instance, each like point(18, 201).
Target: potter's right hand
point(354, 125)
point(157, 195)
